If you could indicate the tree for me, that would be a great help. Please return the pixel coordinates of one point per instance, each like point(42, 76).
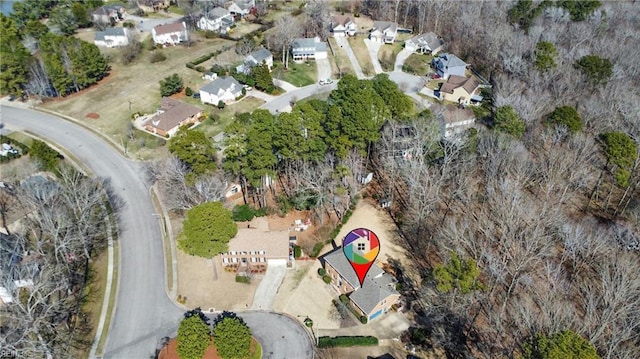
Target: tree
point(622, 151)
point(598, 70)
point(581, 9)
point(566, 116)
point(193, 337)
point(81, 14)
point(206, 230)
point(562, 345)
point(246, 45)
point(262, 76)
point(457, 274)
point(170, 85)
point(36, 29)
point(194, 149)
point(506, 120)
point(546, 55)
point(400, 104)
point(232, 337)
point(47, 156)
point(14, 58)
point(62, 18)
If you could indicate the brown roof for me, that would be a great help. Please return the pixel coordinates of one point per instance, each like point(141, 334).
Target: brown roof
point(172, 113)
point(260, 238)
point(453, 114)
point(169, 28)
point(340, 20)
point(469, 84)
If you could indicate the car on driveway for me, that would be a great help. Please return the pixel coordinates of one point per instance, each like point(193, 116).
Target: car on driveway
point(325, 82)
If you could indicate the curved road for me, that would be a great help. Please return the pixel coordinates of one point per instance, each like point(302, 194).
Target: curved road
point(144, 314)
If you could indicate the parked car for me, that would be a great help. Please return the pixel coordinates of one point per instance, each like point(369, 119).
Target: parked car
point(325, 82)
point(248, 88)
point(196, 95)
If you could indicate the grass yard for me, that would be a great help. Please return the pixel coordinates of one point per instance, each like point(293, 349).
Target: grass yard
point(227, 114)
point(298, 74)
point(362, 54)
point(133, 88)
point(417, 64)
point(340, 64)
point(387, 55)
point(242, 28)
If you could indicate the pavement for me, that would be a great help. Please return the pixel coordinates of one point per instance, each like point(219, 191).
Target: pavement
point(324, 69)
point(374, 48)
point(402, 56)
point(344, 43)
point(268, 287)
point(281, 336)
point(387, 326)
point(282, 102)
point(284, 85)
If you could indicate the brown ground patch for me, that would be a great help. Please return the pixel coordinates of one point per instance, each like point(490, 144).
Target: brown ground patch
point(93, 115)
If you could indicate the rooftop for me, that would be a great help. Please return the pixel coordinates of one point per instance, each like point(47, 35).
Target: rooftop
point(429, 39)
point(384, 26)
point(451, 114)
point(172, 113)
point(218, 12)
point(373, 291)
point(340, 263)
point(341, 20)
point(221, 83)
point(261, 55)
point(169, 28)
point(470, 84)
point(450, 60)
point(260, 238)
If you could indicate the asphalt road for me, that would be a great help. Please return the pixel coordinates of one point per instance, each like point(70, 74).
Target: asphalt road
point(279, 103)
point(144, 314)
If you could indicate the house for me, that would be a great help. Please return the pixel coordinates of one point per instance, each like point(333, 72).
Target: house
point(18, 270)
point(257, 245)
point(153, 5)
point(170, 34)
point(255, 58)
point(376, 295)
point(171, 115)
point(383, 32)
point(459, 89)
point(218, 19)
point(209, 76)
point(342, 26)
point(428, 43)
point(108, 14)
point(308, 48)
point(453, 120)
point(241, 8)
point(112, 37)
point(225, 89)
point(446, 65)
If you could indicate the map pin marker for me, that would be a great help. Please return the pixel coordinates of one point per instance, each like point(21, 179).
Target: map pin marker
point(361, 247)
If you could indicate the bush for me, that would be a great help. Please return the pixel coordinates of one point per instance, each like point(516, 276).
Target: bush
point(221, 104)
point(170, 85)
point(329, 342)
point(316, 249)
point(344, 298)
point(157, 57)
point(322, 272)
point(567, 116)
point(363, 319)
point(242, 279)
point(326, 279)
point(243, 213)
point(297, 252)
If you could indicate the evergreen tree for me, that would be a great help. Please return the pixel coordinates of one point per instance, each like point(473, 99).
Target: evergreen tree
point(206, 230)
point(400, 105)
point(13, 58)
point(193, 337)
point(562, 345)
point(170, 85)
point(232, 337)
point(598, 70)
point(507, 120)
point(546, 55)
point(567, 116)
point(195, 150)
point(262, 77)
point(457, 274)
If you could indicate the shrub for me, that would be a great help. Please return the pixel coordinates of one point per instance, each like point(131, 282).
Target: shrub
point(316, 249)
point(567, 116)
point(322, 272)
point(157, 57)
point(297, 252)
point(363, 319)
point(344, 298)
point(242, 279)
point(326, 279)
point(221, 104)
point(329, 342)
point(243, 213)
point(170, 85)
point(188, 91)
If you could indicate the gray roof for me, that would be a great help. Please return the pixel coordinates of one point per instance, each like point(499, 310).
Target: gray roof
point(110, 31)
point(384, 25)
point(221, 83)
point(373, 291)
point(309, 42)
point(261, 55)
point(429, 39)
point(217, 12)
point(340, 263)
point(450, 60)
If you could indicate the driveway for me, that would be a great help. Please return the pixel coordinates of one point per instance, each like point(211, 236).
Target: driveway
point(344, 43)
point(268, 287)
point(401, 58)
point(280, 103)
point(324, 69)
point(281, 336)
point(374, 48)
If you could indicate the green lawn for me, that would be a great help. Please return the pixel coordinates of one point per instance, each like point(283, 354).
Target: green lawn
point(298, 74)
point(387, 55)
point(417, 64)
point(227, 114)
point(362, 54)
point(340, 64)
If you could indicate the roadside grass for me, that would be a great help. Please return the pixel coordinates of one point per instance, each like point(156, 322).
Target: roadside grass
point(176, 9)
point(417, 64)
point(362, 54)
point(166, 242)
point(227, 114)
point(132, 88)
point(21, 137)
point(340, 65)
point(298, 74)
point(256, 349)
point(387, 55)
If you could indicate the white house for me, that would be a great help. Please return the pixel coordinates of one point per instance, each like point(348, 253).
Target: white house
point(225, 89)
point(454, 121)
point(255, 58)
point(112, 37)
point(170, 34)
point(384, 32)
point(305, 49)
point(428, 43)
point(342, 26)
point(218, 20)
point(241, 8)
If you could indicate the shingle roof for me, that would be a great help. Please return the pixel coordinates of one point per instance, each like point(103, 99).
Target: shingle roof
point(429, 39)
point(340, 263)
point(373, 291)
point(384, 25)
point(169, 28)
point(450, 60)
point(221, 83)
point(340, 20)
point(309, 42)
point(261, 55)
point(454, 82)
point(174, 112)
point(217, 12)
point(260, 238)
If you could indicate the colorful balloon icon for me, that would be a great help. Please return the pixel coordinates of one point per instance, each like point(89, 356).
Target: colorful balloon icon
point(361, 247)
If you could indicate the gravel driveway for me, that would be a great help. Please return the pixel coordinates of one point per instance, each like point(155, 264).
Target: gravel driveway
point(374, 48)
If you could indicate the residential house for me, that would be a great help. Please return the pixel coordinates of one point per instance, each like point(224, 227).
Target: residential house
point(428, 43)
point(308, 49)
point(153, 5)
point(459, 89)
point(108, 14)
point(218, 19)
point(342, 26)
point(377, 294)
point(255, 58)
point(112, 37)
point(454, 121)
point(17, 270)
point(257, 245)
point(446, 65)
point(225, 89)
point(170, 34)
point(384, 32)
point(209, 76)
point(171, 115)
point(241, 8)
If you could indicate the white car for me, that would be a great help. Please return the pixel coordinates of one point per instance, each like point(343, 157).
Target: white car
point(325, 82)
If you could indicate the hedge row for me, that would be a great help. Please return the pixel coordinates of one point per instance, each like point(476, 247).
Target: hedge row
point(194, 64)
point(329, 342)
